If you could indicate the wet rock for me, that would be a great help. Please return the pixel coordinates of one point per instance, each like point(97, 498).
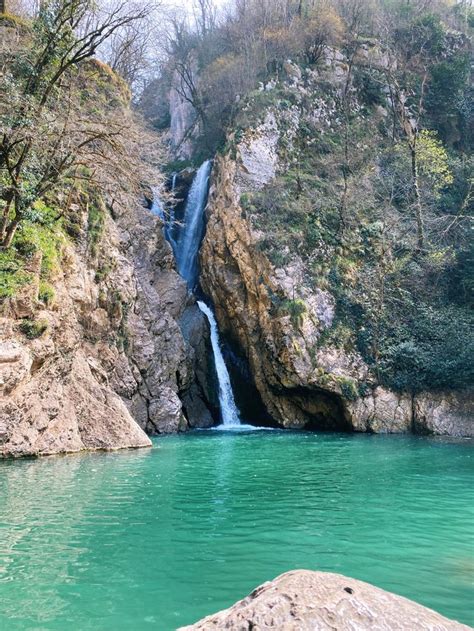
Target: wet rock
point(203, 393)
point(318, 601)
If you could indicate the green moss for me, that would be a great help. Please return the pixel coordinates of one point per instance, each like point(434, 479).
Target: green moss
point(47, 239)
point(178, 165)
point(348, 387)
point(105, 85)
point(340, 335)
point(33, 329)
point(102, 272)
point(41, 233)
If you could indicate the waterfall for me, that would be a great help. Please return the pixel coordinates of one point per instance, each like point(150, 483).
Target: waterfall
point(186, 249)
point(189, 241)
point(229, 411)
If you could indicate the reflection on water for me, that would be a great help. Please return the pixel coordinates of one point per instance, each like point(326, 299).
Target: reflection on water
point(158, 538)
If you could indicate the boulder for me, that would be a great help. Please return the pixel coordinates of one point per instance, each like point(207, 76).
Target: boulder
point(318, 601)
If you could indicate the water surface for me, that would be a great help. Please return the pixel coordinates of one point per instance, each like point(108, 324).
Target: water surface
point(154, 539)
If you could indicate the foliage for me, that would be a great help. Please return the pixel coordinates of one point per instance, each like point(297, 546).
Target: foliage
point(46, 293)
point(12, 273)
point(343, 203)
point(447, 95)
point(429, 348)
point(33, 328)
point(296, 309)
point(433, 160)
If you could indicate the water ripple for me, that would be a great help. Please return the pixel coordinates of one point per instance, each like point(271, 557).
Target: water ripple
point(158, 538)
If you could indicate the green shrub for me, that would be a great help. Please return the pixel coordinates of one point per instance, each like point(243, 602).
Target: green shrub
point(369, 86)
point(46, 293)
point(33, 329)
point(433, 349)
point(102, 272)
point(41, 233)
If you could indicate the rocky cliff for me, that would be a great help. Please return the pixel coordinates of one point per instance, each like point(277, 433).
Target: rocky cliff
point(260, 272)
point(104, 363)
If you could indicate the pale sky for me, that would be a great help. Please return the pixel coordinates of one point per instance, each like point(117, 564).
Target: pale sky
point(187, 4)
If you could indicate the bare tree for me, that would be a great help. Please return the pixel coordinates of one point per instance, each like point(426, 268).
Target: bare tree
point(50, 136)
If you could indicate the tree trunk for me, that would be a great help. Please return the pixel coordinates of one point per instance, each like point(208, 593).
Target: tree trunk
point(3, 7)
point(420, 231)
point(5, 215)
point(6, 243)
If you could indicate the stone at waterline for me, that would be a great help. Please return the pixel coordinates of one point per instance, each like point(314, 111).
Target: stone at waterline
point(303, 600)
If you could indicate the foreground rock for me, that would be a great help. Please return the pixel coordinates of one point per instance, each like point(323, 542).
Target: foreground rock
point(318, 601)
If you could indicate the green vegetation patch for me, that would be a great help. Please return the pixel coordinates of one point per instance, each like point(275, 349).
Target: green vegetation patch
point(41, 233)
point(33, 329)
point(12, 273)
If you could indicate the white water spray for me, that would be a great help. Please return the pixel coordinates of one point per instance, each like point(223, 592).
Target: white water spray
point(229, 411)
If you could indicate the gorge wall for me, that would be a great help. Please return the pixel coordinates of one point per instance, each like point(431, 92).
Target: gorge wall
point(260, 275)
point(111, 364)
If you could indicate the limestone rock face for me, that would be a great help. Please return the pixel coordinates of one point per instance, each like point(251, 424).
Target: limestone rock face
point(318, 601)
point(302, 382)
point(112, 363)
point(383, 412)
point(258, 155)
point(65, 408)
point(444, 413)
point(299, 387)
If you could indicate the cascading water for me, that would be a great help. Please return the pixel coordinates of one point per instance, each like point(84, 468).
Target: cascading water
point(186, 249)
point(189, 241)
point(229, 411)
